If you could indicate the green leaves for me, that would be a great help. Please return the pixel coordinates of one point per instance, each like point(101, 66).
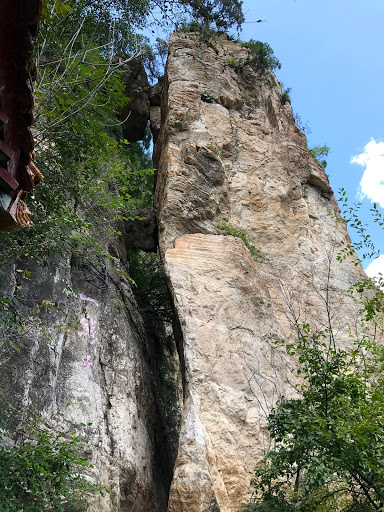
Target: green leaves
point(43, 470)
point(222, 14)
point(261, 57)
point(329, 443)
point(350, 215)
point(58, 7)
point(62, 9)
point(91, 176)
point(320, 154)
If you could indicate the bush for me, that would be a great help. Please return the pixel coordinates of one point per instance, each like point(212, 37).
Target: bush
point(261, 57)
point(42, 471)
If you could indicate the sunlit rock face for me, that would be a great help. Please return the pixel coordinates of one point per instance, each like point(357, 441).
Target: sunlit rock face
point(241, 159)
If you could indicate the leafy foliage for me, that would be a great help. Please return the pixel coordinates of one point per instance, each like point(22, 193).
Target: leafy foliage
point(370, 290)
point(42, 471)
point(351, 218)
point(320, 153)
point(262, 57)
point(329, 441)
point(14, 324)
point(87, 165)
point(207, 98)
point(221, 14)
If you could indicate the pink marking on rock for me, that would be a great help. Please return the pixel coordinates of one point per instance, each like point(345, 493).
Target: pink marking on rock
point(86, 362)
point(88, 329)
point(89, 299)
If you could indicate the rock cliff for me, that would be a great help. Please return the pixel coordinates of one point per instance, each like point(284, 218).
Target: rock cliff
point(88, 359)
point(231, 159)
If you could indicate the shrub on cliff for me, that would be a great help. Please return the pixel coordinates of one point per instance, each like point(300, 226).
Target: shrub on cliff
point(40, 470)
point(261, 57)
point(329, 442)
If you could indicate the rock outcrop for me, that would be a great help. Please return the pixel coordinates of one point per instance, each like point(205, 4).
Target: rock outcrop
point(230, 156)
point(86, 358)
point(135, 115)
point(231, 161)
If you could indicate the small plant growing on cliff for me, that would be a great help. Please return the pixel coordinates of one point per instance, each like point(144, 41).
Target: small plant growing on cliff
point(320, 154)
point(229, 229)
point(285, 96)
point(207, 98)
point(233, 62)
point(261, 57)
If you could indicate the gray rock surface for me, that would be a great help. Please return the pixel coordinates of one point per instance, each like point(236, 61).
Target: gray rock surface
point(141, 229)
point(136, 114)
point(87, 356)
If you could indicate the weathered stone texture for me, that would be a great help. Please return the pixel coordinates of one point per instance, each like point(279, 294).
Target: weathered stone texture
point(243, 160)
point(135, 115)
point(91, 363)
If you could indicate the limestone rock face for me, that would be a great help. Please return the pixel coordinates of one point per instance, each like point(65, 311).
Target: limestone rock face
point(88, 358)
point(239, 159)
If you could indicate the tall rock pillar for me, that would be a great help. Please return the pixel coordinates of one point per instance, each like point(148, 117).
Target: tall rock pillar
point(230, 157)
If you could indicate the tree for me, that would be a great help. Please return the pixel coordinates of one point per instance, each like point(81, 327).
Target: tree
point(329, 441)
point(223, 14)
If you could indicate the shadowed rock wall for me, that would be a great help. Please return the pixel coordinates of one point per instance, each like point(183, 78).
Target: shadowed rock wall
point(88, 359)
point(239, 159)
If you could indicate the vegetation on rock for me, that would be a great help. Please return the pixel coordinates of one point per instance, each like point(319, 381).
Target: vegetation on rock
point(41, 470)
point(229, 229)
point(320, 154)
point(262, 57)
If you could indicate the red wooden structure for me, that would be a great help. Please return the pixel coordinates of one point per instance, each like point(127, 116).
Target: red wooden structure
point(18, 174)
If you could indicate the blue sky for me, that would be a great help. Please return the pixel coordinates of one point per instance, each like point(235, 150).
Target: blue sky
point(331, 53)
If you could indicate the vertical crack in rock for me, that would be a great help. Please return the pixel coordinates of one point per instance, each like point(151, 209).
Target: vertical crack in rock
point(238, 158)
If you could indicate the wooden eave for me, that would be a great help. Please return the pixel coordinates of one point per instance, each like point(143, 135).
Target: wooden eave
point(18, 174)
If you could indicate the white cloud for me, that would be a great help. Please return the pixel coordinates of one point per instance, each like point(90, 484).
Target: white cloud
point(376, 267)
point(372, 182)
